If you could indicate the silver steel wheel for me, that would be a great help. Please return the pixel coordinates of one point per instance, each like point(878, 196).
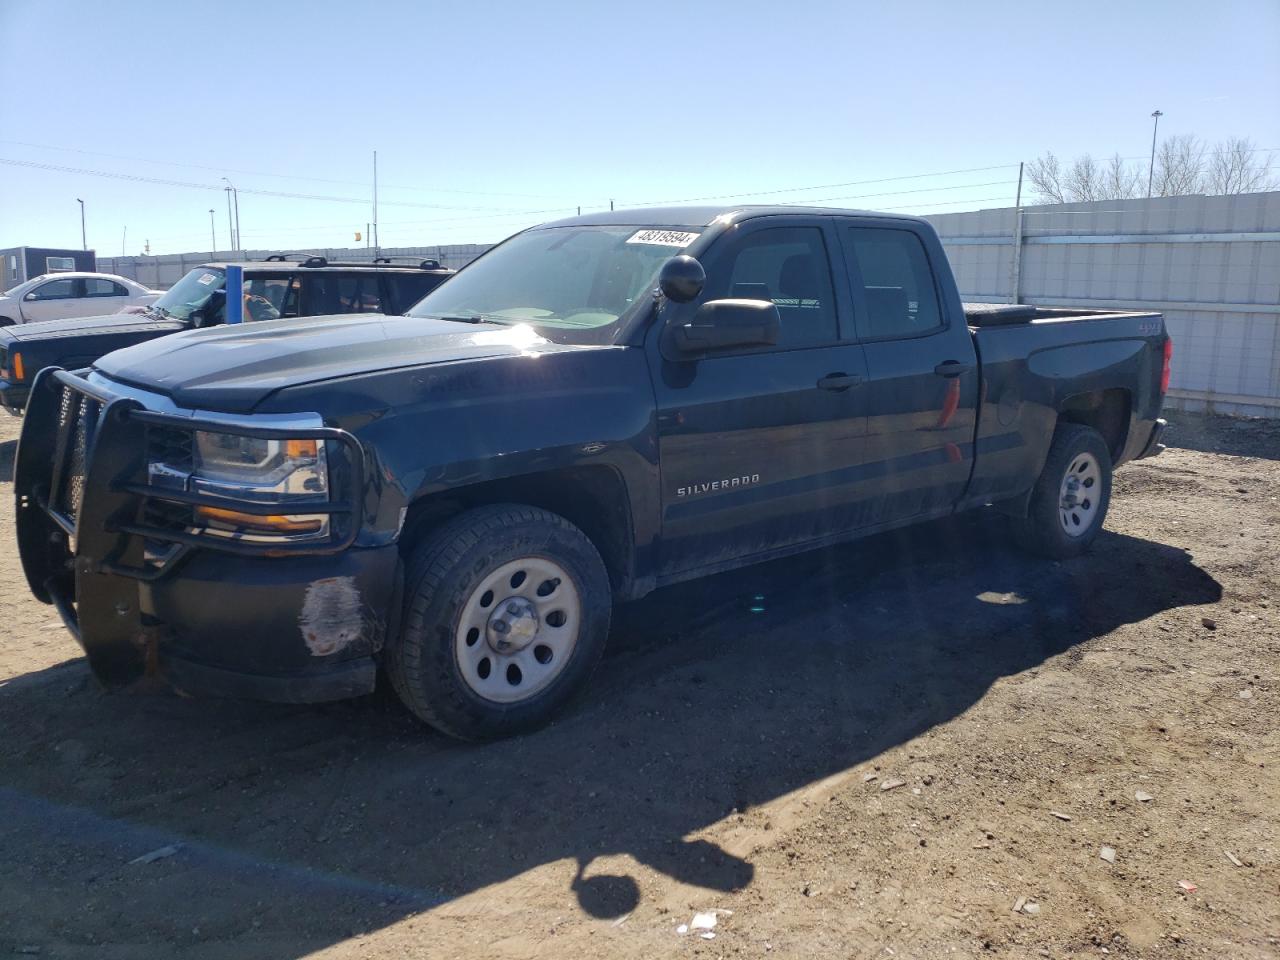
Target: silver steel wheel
point(1080, 495)
point(518, 629)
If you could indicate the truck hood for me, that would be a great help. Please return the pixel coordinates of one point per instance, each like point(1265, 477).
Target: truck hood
point(86, 326)
point(234, 368)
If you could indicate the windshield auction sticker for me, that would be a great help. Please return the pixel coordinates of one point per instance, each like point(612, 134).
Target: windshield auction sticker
point(663, 238)
point(208, 278)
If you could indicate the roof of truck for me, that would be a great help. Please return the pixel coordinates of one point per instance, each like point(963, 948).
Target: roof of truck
point(702, 216)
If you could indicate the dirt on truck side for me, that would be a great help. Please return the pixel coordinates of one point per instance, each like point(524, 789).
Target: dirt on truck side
point(918, 745)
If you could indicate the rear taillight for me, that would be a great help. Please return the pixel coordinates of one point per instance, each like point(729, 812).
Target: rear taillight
point(1168, 359)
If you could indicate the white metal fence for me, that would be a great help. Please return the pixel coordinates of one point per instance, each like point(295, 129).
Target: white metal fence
point(1211, 265)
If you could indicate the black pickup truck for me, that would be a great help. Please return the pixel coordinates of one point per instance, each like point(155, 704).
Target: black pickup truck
point(273, 288)
point(593, 409)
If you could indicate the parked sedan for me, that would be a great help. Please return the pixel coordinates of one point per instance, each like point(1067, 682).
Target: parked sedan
point(59, 296)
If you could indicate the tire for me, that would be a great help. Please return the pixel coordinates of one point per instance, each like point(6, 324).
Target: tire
point(1070, 499)
point(6, 321)
point(499, 576)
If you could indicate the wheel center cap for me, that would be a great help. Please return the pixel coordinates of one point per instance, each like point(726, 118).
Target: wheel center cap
point(512, 626)
point(1071, 495)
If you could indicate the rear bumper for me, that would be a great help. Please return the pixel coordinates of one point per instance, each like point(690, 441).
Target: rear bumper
point(1153, 446)
point(13, 396)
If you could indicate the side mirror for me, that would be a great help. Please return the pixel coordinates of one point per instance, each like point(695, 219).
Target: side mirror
point(681, 279)
point(31, 296)
point(719, 324)
point(207, 316)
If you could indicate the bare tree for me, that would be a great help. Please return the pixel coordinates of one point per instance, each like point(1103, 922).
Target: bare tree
point(1239, 167)
point(1179, 167)
point(1084, 179)
point(1183, 165)
point(1045, 175)
point(1121, 181)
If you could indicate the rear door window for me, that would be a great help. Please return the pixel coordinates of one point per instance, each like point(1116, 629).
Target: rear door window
point(339, 293)
point(101, 287)
point(891, 272)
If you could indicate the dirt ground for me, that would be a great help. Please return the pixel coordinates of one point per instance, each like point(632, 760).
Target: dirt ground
point(739, 752)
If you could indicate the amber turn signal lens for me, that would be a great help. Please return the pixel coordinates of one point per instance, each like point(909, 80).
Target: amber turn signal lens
point(272, 522)
point(16, 362)
point(298, 449)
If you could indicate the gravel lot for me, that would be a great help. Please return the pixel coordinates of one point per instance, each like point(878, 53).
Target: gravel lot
point(740, 751)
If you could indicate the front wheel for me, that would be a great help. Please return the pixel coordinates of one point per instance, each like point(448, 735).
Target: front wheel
point(506, 614)
point(1070, 499)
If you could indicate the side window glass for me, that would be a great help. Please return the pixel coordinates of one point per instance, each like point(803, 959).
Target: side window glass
point(99, 287)
point(264, 297)
point(788, 266)
point(56, 290)
point(897, 284)
point(319, 294)
point(407, 289)
point(289, 303)
point(358, 294)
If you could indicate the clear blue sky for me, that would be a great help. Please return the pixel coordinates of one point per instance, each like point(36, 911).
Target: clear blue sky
point(489, 116)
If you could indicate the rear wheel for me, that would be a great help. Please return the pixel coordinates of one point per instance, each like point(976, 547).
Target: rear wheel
point(1070, 499)
point(506, 615)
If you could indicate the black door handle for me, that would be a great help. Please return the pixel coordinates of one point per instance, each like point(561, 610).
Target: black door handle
point(952, 368)
point(839, 381)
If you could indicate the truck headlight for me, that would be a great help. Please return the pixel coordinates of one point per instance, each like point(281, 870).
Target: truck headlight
point(250, 468)
point(237, 468)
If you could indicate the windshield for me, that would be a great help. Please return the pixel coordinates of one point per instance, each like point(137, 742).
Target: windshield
point(577, 278)
point(190, 293)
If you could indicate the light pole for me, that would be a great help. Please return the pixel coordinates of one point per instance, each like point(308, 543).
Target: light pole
point(84, 244)
point(213, 235)
point(1156, 115)
point(231, 187)
point(231, 230)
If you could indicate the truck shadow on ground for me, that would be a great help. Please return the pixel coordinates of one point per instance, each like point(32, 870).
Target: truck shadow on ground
point(313, 824)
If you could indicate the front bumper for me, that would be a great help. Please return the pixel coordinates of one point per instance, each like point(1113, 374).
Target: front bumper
point(226, 617)
point(13, 396)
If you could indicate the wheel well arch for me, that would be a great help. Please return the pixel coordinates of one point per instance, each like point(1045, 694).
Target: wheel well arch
point(1106, 411)
point(592, 498)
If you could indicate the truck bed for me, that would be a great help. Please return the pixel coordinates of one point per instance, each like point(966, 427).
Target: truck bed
point(1005, 314)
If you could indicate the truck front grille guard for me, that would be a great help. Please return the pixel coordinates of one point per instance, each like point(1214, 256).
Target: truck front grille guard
point(163, 515)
